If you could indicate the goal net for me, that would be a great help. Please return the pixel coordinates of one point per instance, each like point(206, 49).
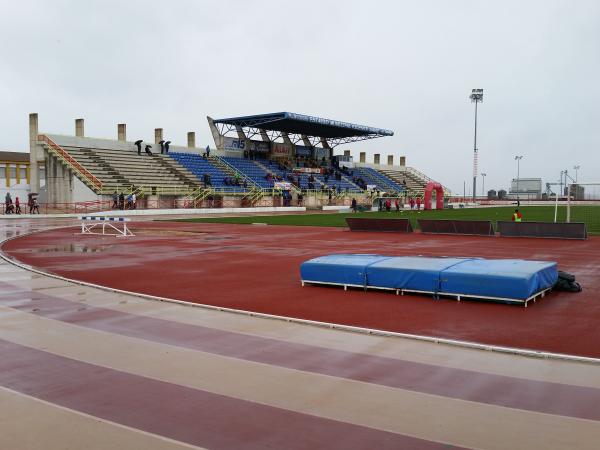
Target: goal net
point(583, 205)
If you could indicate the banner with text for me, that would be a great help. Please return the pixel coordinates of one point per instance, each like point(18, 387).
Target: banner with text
point(280, 150)
point(258, 146)
point(302, 150)
point(234, 144)
point(321, 153)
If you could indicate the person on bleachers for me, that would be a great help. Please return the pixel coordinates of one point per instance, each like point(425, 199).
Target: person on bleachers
point(147, 150)
point(206, 179)
point(115, 199)
point(133, 201)
point(138, 144)
point(121, 200)
point(162, 146)
point(167, 146)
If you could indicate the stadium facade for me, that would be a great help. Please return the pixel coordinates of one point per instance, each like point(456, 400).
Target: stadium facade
point(260, 160)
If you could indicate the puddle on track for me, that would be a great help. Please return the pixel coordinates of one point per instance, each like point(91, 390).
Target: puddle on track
point(76, 247)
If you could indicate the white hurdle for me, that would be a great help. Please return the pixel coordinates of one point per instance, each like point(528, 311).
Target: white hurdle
point(89, 225)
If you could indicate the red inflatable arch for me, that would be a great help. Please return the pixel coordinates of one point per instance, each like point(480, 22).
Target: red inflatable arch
point(439, 197)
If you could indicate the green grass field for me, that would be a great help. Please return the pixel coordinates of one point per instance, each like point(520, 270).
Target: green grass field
point(588, 214)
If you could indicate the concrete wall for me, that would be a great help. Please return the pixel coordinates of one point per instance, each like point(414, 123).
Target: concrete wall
point(82, 193)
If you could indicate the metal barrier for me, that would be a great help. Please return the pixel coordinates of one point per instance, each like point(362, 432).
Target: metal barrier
point(572, 230)
point(468, 227)
point(104, 222)
point(382, 225)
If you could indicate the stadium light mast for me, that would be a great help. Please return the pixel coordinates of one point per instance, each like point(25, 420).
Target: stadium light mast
point(518, 158)
point(577, 167)
point(476, 97)
point(483, 175)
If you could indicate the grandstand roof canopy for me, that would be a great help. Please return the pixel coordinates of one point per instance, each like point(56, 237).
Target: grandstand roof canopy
point(334, 131)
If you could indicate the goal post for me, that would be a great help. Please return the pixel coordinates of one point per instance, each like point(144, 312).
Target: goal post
point(583, 204)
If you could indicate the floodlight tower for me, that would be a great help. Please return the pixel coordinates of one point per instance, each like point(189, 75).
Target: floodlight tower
point(518, 158)
point(476, 97)
point(483, 175)
point(577, 167)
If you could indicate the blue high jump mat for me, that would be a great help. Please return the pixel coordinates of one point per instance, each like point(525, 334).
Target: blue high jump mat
point(506, 280)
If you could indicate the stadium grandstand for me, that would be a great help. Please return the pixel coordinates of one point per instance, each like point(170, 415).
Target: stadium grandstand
point(258, 160)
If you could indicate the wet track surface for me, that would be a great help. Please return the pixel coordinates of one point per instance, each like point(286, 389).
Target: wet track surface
point(82, 367)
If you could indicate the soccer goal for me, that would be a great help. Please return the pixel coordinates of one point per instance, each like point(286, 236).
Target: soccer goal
point(583, 205)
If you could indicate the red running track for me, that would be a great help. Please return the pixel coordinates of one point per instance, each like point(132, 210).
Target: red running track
point(256, 268)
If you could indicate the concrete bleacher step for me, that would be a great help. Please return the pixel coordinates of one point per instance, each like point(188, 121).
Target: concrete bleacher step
point(118, 168)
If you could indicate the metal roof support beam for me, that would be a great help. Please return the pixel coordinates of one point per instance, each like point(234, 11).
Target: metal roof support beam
point(217, 136)
point(240, 133)
point(264, 136)
point(286, 138)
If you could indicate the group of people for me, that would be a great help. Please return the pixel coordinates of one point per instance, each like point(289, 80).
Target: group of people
point(164, 147)
point(235, 181)
point(119, 201)
point(415, 203)
point(11, 207)
point(273, 177)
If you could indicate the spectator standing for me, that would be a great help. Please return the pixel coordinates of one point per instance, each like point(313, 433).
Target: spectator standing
point(30, 202)
point(35, 206)
point(115, 199)
point(411, 202)
point(418, 203)
point(138, 144)
point(388, 205)
point(133, 200)
point(353, 206)
point(397, 204)
point(121, 201)
point(517, 216)
point(17, 206)
point(167, 146)
point(7, 203)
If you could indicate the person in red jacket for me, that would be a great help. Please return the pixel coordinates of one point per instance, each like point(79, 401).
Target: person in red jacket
point(418, 203)
point(17, 206)
point(517, 216)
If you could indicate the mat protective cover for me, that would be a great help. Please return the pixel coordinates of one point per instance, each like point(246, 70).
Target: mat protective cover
point(339, 269)
point(499, 278)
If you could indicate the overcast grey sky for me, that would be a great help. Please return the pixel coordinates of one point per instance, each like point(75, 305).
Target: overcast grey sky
point(406, 66)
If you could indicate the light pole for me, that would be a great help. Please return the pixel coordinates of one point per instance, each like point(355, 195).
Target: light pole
point(476, 97)
point(483, 175)
point(518, 158)
point(576, 170)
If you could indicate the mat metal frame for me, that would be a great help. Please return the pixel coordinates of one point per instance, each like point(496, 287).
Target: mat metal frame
point(458, 297)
